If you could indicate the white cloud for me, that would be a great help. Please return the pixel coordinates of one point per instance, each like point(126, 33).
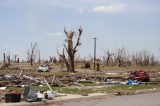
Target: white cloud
point(115, 8)
point(54, 34)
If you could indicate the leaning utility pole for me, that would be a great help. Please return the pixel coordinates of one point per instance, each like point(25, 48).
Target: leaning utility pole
point(95, 53)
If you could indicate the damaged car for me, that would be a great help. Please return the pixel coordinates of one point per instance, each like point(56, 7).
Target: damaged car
point(43, 68)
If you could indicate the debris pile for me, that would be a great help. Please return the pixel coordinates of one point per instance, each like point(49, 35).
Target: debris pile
point(23, 81)
point(27, 81)
point(31, 95)
point(140, 75)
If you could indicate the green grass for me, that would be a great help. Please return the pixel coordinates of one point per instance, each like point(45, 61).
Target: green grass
point(129, 88)
point(57, 89)
point(111, 89)
point(126, 89)
point(68, 90)
point(131, 68)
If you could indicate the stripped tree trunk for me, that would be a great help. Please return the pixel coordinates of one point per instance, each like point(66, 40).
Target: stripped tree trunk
point(71, 49)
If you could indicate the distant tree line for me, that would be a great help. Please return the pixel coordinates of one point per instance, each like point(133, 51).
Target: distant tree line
point(121, 57)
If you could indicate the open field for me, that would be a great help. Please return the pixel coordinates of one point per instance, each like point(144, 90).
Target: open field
point(82, 82)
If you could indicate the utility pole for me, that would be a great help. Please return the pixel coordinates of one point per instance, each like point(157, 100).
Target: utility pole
point(95, 53)
point(4, 58)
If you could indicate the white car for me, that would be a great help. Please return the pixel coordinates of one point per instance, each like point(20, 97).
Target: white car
point(43, 68)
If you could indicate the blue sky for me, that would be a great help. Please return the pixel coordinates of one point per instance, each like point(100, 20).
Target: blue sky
point(132, 24)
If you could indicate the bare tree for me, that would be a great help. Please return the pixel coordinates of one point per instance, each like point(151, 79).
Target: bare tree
point(71, 48)
point(146, 57)
point(143, 58)
point(153, 61)
point(15, 57)
point(109, 56)
point(8, 59)
point(134, 59)
point(62, 60)
point(52, 59)
point(31, 54)
point(120, 56)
